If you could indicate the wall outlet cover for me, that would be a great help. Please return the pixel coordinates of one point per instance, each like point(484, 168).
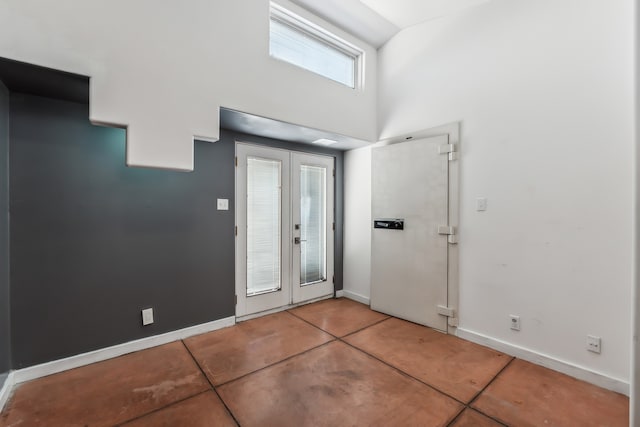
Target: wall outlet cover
point(594, 344)
point(147, 316)
point(514, 322)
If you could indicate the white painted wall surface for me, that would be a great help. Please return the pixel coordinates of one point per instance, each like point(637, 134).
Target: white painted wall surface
point(634, 404)
point(545, 93)
point(163, 68)
point(357, 224)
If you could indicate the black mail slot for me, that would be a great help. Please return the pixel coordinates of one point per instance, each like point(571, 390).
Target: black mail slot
point(389, 224)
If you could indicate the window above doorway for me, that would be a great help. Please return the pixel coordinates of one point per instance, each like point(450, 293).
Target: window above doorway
point(302, 43)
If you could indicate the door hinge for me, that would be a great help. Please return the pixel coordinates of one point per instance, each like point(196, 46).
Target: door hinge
point(333, 279)
point(236, 230)
point(334, 226)
point(443, 310)
point(448, 231)
point(334, 173)
point(448, 149)
point(449, 313)
point(236, 160)
point(236, 299)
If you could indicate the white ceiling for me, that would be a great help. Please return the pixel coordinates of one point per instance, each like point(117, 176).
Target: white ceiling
point(406, 13)
point(376, 21)
point(353, 17)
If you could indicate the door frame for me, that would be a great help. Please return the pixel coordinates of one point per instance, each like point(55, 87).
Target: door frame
point(238, 287)
point(452, 130)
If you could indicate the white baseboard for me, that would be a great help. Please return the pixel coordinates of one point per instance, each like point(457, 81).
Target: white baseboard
point(279, 309)
point(49, 368)
point(5, 391)
point(354, 296)
point(573, 370)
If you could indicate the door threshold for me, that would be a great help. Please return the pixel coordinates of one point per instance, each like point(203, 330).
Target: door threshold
point(278, 309)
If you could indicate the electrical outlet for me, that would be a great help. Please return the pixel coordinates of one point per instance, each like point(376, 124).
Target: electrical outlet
point(514, 322)
point(594, 344)
point(147, 316)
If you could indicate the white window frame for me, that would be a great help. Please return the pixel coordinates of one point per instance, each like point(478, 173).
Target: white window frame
point(308, 28)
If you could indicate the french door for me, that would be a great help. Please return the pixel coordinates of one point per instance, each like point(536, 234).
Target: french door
point(284, 215)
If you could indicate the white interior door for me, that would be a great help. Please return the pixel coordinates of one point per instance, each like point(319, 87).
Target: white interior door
point(284, 217)
point(409, 266)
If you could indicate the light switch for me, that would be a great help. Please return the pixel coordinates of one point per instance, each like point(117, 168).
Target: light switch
point(481, 204)
point(223, 204)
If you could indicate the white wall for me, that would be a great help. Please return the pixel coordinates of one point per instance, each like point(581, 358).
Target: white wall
point(163, 68)
point(545, 92)
point(634, 406)
point(357, 224)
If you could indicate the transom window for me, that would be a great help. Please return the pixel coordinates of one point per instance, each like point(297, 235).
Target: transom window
point(295, 40)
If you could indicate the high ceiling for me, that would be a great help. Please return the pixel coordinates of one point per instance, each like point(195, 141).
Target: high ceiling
point(376, 21)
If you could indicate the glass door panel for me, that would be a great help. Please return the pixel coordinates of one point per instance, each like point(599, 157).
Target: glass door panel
point(264, 216)
point(313, 224)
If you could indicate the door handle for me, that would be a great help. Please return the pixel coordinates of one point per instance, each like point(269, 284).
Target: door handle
point(297, 240)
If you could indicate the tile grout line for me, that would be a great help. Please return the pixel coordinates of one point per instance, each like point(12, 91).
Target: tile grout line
point(485, 388)
point(315, 326)
point(343, 336)
point(366, 327)
point(278, 362)
point(160, 408)
point(465, 405)
point(457, 417)
point(492, 380)
point(210, 383)
point(402, 372)
point(341, 339)
point(336, 338)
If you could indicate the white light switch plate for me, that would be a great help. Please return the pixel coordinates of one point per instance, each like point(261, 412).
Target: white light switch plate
point(481, 204)
point(147, 316)
point(223, 204)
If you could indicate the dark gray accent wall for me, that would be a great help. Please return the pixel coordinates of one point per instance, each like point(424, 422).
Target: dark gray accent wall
point(94, 242)
point(5, 342)
point(32, 79)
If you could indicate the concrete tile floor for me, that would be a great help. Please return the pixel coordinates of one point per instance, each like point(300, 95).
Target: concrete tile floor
point(330, 363)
